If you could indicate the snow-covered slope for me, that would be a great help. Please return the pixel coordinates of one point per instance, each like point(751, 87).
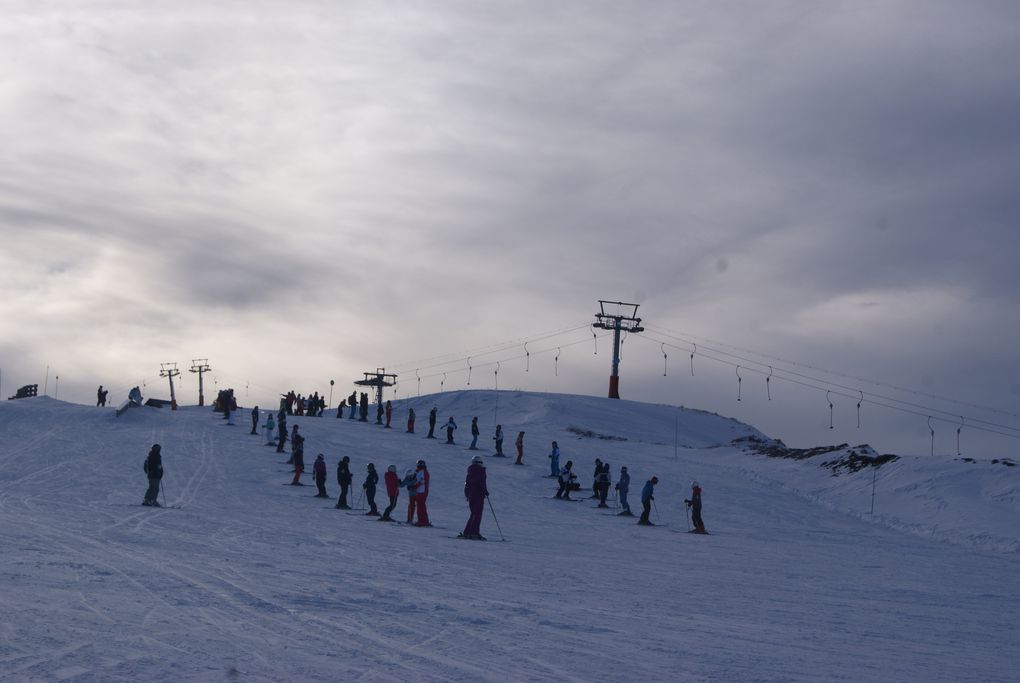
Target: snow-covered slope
point(256, 581)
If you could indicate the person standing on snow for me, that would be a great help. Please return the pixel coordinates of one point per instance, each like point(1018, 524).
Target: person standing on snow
point(153, 468)
point(293, 444)
point(450, 426)
point(432, 423)
point(476, 491)
point(254, 420)
point(389, 413)
point(554, 460)
point(595, 478)
point(622, 486)
point(371, 479)
point(343, 479)
point(410, 420)
point(520, 448)
point(340, 409)
point(474, 434)
point(319, 474)
point(101, 397)
point(605, 479)
point(268, 428)
point(695, 505)
point(410, 483)
point(392, 491)
point(566, 478)
point(647, 496)
point(499, 441)
point(298, 446)
point(281, 426)
point(422, 494)
point(352, 401)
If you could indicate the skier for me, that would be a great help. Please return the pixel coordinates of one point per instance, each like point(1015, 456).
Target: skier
point(352, 401)
point(432, 423)
point(410, 482)
point(450, 426)
point(293, 443)
point(422, 494)
point(379, 410)
point(389, 413)
point(319, 473)
point(101, 396)
point(595, 478)
point(410, 420)
point(343, 479)
point(298, 446)
point(520, 448)
point(604, 478)
point(554, 460)
point(371, 479)
point(499, 441)
point(281, 426)
point(269, 428)
point(254, 420)
point(363, 408)
point(695, 505)
point(392, 491)
point(476, 492)
point(340, 409)
point(647, 496)
point(153, 468)
point(566, 478)
point(621, 486)
point(474, 434)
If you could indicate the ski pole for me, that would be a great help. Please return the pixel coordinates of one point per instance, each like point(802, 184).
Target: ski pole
point(494, 519)
point(162, 491)
point(687, 509)
point(657, 517)
point(361, 496)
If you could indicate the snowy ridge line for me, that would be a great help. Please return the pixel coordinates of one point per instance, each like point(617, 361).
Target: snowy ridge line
point(919, 501)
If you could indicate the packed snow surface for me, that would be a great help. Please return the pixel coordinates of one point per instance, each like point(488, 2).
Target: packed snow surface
point(254, 580)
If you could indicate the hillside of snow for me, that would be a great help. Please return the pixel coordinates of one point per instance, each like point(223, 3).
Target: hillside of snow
point(252, 579)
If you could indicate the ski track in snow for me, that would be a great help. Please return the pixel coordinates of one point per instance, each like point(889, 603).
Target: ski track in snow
point(257, 582)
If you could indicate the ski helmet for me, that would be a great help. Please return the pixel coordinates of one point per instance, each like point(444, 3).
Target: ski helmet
point(421, 463)
point(623, 469)
point(477, 460)
point(655, 480)
point(391, 468)
point(695, 485)
point(371, 466)
point(347, 458)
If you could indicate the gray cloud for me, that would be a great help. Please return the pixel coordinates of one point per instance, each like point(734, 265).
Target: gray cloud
point(297, 189)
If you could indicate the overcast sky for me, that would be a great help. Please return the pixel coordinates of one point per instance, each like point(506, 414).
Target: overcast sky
point(301, 191)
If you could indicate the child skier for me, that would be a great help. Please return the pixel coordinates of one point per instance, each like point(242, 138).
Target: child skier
point(319, 474)
point(498, 438)
point(520, 448)
point(371, 479)
point(422, 494)
point(268, 429)
point(554, 460)
point(153, 468)
point(566, 478)
point(694, 503)
point(450, 426)
point(298, 446)
point(410, 420)
point(622, 486)
point(410, 483)
point(474, 434)
point(392, 491)
point(343, 479)
point(647, 496)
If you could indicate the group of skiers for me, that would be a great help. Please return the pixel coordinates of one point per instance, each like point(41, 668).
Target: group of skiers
point(416, 481)
point(296, 404)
